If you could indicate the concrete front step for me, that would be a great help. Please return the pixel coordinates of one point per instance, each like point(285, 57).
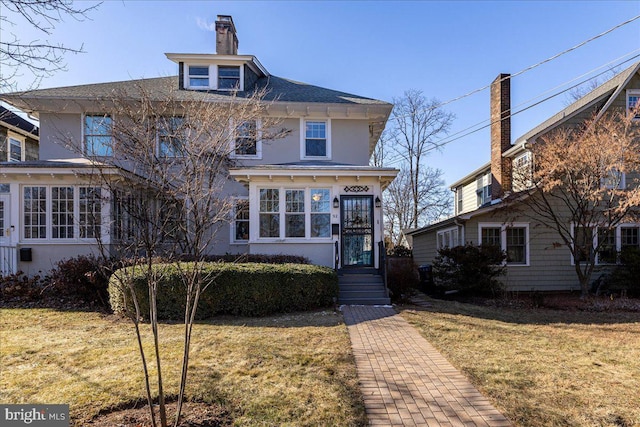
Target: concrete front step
point(360, 278)
point(366, 301)
point(362, 294)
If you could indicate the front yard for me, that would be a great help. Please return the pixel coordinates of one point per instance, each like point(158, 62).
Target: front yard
point(542, 367)
point(282, 370)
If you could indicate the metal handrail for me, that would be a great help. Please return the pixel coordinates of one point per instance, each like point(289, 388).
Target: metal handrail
point(382, 265)
point(337, 256)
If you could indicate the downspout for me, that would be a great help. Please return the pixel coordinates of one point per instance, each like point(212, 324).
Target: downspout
point(462, 239)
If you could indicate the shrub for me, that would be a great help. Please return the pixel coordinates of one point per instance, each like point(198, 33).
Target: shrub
point(253, 258)
point(20, 286)
point(84, 277)
point(624, 277)
point(250, 289)
point(400, 251)
point(472, 270)
point(402, 276)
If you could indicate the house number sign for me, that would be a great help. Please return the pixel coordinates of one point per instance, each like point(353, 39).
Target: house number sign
point(356, 188)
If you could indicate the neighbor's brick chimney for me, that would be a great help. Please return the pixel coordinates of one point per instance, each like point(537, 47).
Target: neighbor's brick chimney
point(500, 135)
point(226, 38)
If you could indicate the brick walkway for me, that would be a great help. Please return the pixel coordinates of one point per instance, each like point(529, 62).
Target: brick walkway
point(405, 381)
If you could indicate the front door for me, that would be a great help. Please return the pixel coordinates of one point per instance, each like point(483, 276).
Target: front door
point(356, 213)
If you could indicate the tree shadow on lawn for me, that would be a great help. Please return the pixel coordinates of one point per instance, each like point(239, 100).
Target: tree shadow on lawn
point(563, 308)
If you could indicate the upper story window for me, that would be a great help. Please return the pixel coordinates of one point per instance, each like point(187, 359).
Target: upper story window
point(460, 200)
point(316, 139)
point(198, 76)
point(15, 148)
point(246, 143)
point(633, 102)
point(228, 77)
point(98, 140)
point(483, 189)
point(170, 138)
point(522, 174)
point(615, 179)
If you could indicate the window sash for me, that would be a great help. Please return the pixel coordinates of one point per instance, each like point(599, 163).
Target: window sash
point(246, 141)
point(35, 212)
point(516, 245)
point(98, 140)
point(89, 212)
point(62, 199)
point(198, 76)
point(228, 77)
point(170, 137)
point(315, 139)
point(491, 236)
point(15, 150)
point(241, 220)
point(269, 216)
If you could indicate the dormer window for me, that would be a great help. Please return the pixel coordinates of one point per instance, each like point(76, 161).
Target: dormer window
point(198, 76)
point(228, 77)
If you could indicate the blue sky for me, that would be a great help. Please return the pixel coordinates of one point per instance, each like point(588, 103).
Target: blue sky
point(371, 48)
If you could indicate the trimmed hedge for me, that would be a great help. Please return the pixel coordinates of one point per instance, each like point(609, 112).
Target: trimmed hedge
point(249, 289)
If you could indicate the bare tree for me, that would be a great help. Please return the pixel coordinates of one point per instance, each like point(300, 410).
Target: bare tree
point(39, 57)
point(434, 202)
point(588, 86)
point(583, 183)
point(167, 179)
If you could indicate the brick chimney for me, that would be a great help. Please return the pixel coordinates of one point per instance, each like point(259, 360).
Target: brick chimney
point(226, 38)
point(500, 135)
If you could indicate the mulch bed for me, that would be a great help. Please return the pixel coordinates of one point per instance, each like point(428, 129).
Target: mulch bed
point(194, 414)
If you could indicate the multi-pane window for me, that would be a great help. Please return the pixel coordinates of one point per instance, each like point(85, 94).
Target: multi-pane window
point(320, 213)
point(447, 238)
point(35, 212)
point(228, 77)
point(491, 236)
point(269, 212)
point(123, 210)
point(516, 245)
point(460, 199)
point(2, 209)
point(522, 175)
point(170, 137)
point(629, 237)
point(583, 240)
point(90, 212)
point(98, 140)
point(633, 102)
point(15, 150)
point(512, 239)
point(241, 220)
point(607, 253)
point(198, 76)
point(294, 213)
point(246, 139)
point(483, 189)
point(62, 213)
point(315, 143)
point(299, 213)
point(614, 179)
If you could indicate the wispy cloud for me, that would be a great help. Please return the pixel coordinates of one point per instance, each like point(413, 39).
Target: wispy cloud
point(207, 26)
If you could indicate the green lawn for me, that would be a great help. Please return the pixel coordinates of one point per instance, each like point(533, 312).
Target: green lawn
point(282, 370)
point(542, 367)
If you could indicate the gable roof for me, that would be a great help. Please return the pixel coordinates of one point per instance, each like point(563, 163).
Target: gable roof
point(608, 91)
point(13, 121)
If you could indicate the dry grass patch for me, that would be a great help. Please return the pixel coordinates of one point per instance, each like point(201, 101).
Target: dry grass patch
point(281, 370)
point(542, 367)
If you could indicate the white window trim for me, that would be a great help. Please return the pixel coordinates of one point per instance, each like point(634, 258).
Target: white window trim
point(631, 92)
point(303, 134)
point(258, 155)
point(232, 229)
point(104, 213)
point(617, 239)
point(83, 142)
point(621, 185)
point(449, 230)
point(503, 238)
point(22, 140)
point(213, 76)
point(254, 212)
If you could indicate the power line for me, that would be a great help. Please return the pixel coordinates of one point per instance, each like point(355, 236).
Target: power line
point(446, 141)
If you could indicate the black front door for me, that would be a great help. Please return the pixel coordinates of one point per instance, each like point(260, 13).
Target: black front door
point(356, 213)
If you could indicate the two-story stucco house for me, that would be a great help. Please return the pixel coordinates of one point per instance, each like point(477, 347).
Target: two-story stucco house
point(536, 261)
point(322, 199)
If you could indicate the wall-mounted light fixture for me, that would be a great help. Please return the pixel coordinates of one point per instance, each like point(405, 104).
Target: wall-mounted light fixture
point(378, 202)
point(336, 202)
